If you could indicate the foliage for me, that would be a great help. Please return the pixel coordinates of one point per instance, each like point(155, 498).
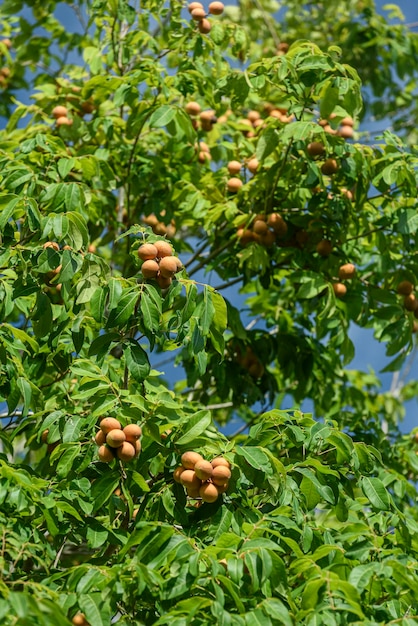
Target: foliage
point(318, 525)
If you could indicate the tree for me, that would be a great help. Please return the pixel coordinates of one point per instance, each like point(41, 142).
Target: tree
point(234, 140)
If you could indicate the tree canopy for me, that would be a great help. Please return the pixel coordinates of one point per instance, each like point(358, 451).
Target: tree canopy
point(192, 185)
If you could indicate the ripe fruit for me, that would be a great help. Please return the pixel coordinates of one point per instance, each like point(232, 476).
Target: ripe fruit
point(198, 13)
point(100, 438)
point(6, 42)
point(221, 475)
point(277, 223)
point(63, 121)
point(204, 26)
point(44, 436)
point(115, 438)
point(105, 454)
point(253, 165)
point(168, 266)
point(189, 459)
point(315, 148)
point(51, 244)
point(208, 492)
point(177, 474)
point(147, 252)
point(245, 236)
point(109, 423)
point(59, 111)
point(80, 620)
point(189, 479)
point(329, 167)
point(347, 121)
point(268, 239)
point(405, 288)
point(410, 302)
point(339, 289)
point(150, 269)
point(220, 461)
point(203, 470)
point(234, 167)
point(163, 282)
point(346, 132)
point(324, 247)
point(164, 248)
point(126, 452)
point(260, 227)
point(234, 184)
point(132, 432)
point(346, 271)
point(193, 108)
point(216, 8)
point(194, 5)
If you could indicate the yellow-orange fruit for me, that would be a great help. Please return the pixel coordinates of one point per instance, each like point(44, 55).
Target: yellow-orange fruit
point(147, 252)
point(203, 157)
point(109, 423)
point(63, 121)
point(203, 470)
point(150, 269)
point(5, 71)
point(347, 193)
point(347, 121)
point(79, 620)
point(260, 227)
point(189, 479)
point(44, 435)
point(216, 8)
point(330, 130)
point(410, 302)
point(177, 473)
point(330, 166)
point(193, 108)
point(208, 115)
point(6, 42)
point(315, 148)
point(132, 432)
point(222, 488)
point(115, 438)
point(252, 165)
point(193, 492)
point(126, 451)
point(194, 5)
point(405, 288)
point(346, 132)
point(164, 248)
point(324, 247)
point(163, 281)
point(204, 26)
point(59, 111)
point(253, 116)
point(168, 266)
point(220, 461)
point(346, 271)
point(221, 474)
point(234, 184)
point(105, 454)
point(198, 13)
point(339, 289)
point(234, 167)
point(208, 492)
point(190, 458)
point(150, 220)
point(245, 236)
point(137, 446)
point(268, 239)
point(51, 244)
point(100, 438)
point(277, 223)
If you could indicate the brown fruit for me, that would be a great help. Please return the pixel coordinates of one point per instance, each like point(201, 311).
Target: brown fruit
point(51, 244)
point(234, 167)
point(189, 459)
point(347, 193)
point(221, 475)
point(220, 461)
point(193, 108)
point(198, 13)
point(203, 157)
point(216, 8)
point(189, 479)
point(277, 223)
point(115, 438)
point(204, 26)
point(315, 148)
point(346, 271)
point(208, 492)
point(44, 436)
point(260, 227)
point(164, 248)
point(137, 446)
point(208, 116)
point(63, 121)
point(168, 266)
point(105, 454)
point(347, 121)
point(194, 5)
point(193, 492)
point(329, 167)
point(203, 470)
point(5, 71)
point(253, 116)
point(405, 288)
point(126, 452)
point(100, 438)
point(177, 473)
point(147, 252)
point(109, 423)
point(132, 432)
point(245, 236)
point(59, 111)
point(252, 165)
point(163, 282)
point(222, 488)
point(79, 620)
point(150, 220)
point(256, 369)
point(324, 247)
point(234, 184)
point(410, 302)
point(268, 239)
point(346, 132)
point(150, 269)
point(339, 289)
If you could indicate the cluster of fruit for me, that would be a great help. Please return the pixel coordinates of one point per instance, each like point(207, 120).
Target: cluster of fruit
point(159, 262)
point(410, 302)
point(5, 71)
point(203, 120)
point(265, 229)
point(60, 114)
point(198, 13)
point(345, 272)
point(115, 441)
point(158, 227)
point(345, 130)
point(203, 479)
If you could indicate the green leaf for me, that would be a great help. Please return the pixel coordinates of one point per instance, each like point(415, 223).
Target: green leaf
point(162, 116)
point(136, 360)
point(125, 308)
point(256, 457)
point(194, 427)
point(375, 491)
